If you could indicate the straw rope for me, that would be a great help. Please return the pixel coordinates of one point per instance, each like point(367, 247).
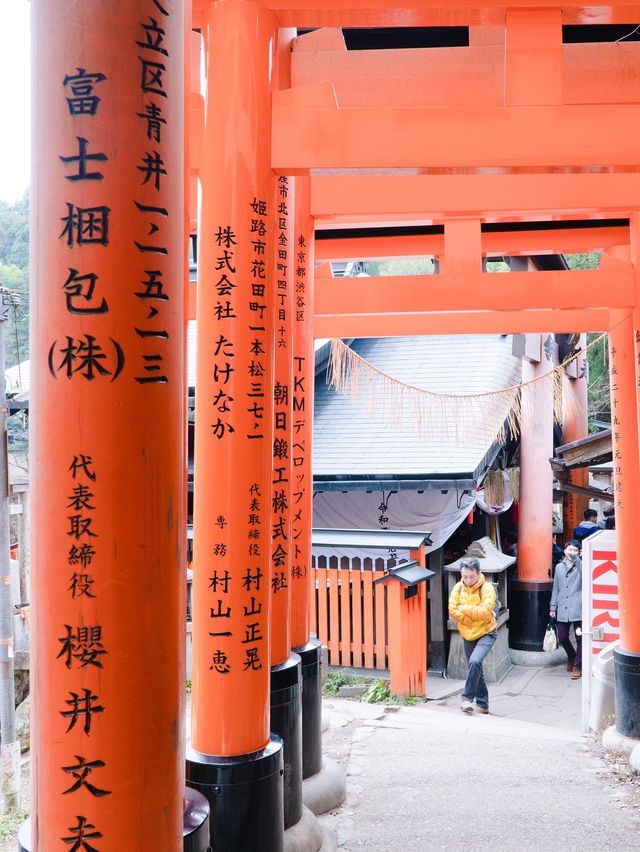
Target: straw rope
point(447, 417)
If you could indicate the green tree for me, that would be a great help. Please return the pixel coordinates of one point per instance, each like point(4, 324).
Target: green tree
point(599, 401)
point(400, 266)
point(14, 233)
point(588, 260)
point(14, 275)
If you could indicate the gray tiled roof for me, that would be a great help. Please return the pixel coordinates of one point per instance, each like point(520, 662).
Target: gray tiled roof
point(348, 442)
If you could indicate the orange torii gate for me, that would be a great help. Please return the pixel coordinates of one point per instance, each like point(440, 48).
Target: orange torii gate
point(512, 146)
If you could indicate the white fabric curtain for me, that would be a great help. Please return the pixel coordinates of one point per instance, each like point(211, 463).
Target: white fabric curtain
point(426, 511)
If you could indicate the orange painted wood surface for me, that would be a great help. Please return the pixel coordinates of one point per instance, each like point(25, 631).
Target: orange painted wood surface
point(234, 407)
point(533, 56)
point(391, 324)
point(321, 622)
point(302, 578)
point(345, 612)
point(282, 544)
point(479, 291)
point(107, 427)
point(463, 76)
point(367, 601)
point(536, 475)
point(498, 196)
point(377, 13)
point(536, 136)
point(355, 578)
point(626, 468)
point(395, 626)
point(381, 625)
point(350, 614)
point(334, 611)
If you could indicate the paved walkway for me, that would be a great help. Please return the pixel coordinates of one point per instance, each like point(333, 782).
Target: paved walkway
point(546, 696)
point(430, 777)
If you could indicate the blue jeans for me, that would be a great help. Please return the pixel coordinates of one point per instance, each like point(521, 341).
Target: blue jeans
point(475, 685)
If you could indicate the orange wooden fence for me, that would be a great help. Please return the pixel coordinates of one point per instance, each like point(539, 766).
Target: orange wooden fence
point(350, 612)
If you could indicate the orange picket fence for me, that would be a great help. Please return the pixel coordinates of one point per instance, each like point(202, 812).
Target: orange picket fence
point(351, 613)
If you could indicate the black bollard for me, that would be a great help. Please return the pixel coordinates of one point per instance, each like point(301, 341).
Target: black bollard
point(528, 613)
point(626, 672)
point(246, 797)
point(286, 722)
point(311, 708)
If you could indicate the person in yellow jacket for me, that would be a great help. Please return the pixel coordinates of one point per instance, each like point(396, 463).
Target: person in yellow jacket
point(471, 604)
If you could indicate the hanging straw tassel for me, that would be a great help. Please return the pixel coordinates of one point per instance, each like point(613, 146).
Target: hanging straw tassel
point(446, 417)
point(514, 482)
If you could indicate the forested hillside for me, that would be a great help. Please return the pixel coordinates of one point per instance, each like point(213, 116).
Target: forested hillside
point(14, 274)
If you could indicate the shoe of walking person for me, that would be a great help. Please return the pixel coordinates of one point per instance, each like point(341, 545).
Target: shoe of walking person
point(571, 661)
point(466, 707)
point(483, 710)
point(576, 674)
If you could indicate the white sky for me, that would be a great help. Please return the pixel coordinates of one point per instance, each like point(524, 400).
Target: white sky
point(14, 98)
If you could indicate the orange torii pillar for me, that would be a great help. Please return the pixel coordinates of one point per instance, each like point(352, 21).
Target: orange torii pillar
point(302, 575)
point(286, 668)
point(624, 370)
point(574, 427)
point(107, 429)
point(231, 757)
point(531, 591)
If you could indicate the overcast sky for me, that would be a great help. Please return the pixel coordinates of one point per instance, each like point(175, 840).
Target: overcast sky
point(14, 98)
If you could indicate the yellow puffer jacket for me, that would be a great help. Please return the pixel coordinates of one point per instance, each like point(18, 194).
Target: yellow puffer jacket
point(472, 607)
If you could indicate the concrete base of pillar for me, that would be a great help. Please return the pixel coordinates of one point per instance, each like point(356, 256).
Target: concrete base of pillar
point(329, 840)
point(496, 664)
point(613, 740)
point(324, 664)
point(634, 759)
point(538, 659)
point(326, 789)
point(305, 835)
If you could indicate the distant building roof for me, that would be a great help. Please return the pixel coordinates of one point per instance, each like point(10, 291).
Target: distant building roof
point(351, 446)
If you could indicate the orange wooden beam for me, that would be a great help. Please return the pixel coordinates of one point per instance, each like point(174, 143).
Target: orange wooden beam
point(461, 322)
point(502, 244)
point(324, 137)
point(379, 247)
point(462, 249)
point(533, 56)
point(477, 292)
point(459, 76)
point(414, 13)
point(485, 195)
